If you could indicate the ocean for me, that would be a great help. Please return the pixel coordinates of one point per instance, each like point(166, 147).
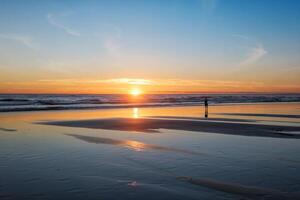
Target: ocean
point(35, 102)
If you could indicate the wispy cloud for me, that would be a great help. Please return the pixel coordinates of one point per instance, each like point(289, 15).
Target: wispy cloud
point(27, 41)
point(125, 81)
point(156, 82)
point(70, 31)
point(255, 54)
point(155, 86)
point(129, 81)
point(111, 45)
point(111, 39)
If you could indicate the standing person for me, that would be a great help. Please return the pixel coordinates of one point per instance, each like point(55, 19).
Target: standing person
point(206, 107)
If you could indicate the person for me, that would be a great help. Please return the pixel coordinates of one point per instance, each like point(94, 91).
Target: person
point(206, 107)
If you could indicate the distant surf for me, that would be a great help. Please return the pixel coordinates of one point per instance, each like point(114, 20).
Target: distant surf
point(35, 102)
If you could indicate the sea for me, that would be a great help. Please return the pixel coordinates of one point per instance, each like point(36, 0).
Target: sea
point(36, 102)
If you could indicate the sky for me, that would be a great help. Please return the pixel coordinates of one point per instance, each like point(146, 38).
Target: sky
point(163, 46)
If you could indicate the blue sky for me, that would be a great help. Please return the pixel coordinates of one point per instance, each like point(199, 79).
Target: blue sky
point(212, 40)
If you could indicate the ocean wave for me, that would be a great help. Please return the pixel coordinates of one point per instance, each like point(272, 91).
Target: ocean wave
point(17, 102)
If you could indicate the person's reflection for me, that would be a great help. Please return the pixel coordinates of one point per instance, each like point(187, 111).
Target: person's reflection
point(135, 112)
point(206, 107)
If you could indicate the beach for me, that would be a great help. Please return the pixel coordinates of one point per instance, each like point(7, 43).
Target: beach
point(149, 100)
point(241, 151)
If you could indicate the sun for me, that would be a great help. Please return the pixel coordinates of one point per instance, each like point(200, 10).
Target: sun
point(135, 92)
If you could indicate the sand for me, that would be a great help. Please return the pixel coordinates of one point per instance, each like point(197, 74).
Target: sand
point(152, 125)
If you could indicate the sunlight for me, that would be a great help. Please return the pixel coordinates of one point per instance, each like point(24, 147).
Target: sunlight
point(135, 145)
point(135, 113)
point(135, 92)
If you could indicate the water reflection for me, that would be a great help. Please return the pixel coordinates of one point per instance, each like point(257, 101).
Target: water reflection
point(130, 144)
point(185, 111)
point(134, 145)
point(135, 113)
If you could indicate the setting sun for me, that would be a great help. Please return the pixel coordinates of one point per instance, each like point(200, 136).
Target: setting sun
point(135, 92)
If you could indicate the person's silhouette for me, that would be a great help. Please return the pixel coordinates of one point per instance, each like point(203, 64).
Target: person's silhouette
point(206, 107)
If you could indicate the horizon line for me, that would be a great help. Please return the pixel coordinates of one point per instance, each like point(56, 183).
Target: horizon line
point(159, 93)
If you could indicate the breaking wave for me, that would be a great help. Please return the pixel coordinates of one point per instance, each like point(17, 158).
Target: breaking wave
point(31, 102)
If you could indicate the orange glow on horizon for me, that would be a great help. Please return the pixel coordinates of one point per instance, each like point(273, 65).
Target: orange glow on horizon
point(137, 87)
point(135, 92)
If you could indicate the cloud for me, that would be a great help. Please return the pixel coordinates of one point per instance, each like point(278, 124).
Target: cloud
point(156, 82)
point(156, 86)
point(122, 81)
point(111, 39)
point(68, 30)
point(129, 81)
point(18, 38)
point(255, 54)
point(111, 45)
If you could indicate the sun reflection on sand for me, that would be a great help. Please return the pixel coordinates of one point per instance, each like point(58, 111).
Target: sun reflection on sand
point(135, 113)
point(129, 144)
point(135, 145)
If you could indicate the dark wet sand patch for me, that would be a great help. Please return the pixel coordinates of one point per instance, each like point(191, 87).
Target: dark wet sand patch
point(7, 129)
point(261, 115)
point(130, 144)
point(246, 191)
point(153, 125)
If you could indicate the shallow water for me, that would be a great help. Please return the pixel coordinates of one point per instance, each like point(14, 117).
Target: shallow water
point(51, 162)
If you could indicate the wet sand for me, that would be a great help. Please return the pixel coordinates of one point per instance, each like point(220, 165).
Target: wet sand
point(7, 129)
point(243, 190)
point(152, 125)
point(151, 153)
point(131, 144)
point(205, 119)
